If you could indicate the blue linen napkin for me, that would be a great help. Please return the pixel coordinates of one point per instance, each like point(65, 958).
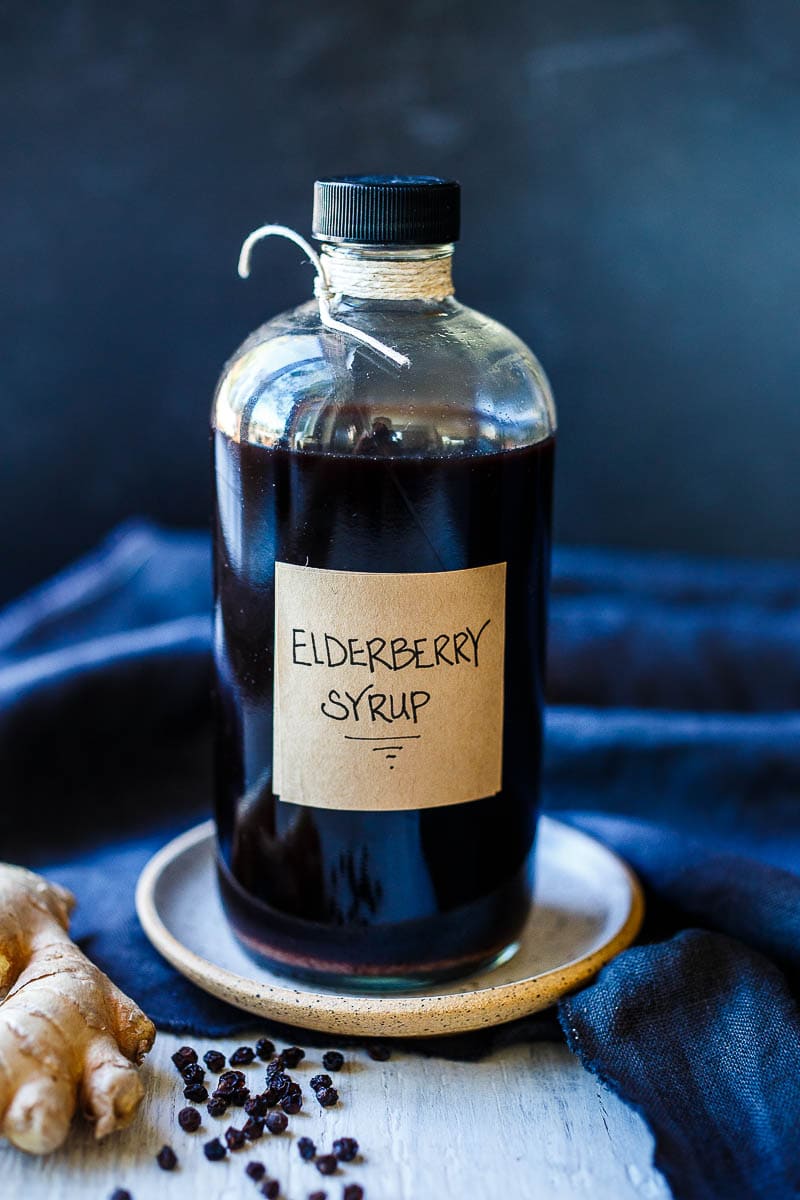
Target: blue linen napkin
point(675, 690)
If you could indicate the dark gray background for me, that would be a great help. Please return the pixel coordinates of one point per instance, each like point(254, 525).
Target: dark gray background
point(631, 207)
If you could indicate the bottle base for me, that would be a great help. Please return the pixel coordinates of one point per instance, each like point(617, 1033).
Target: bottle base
point(405, 957)
point(358, 982)
point(404, 983)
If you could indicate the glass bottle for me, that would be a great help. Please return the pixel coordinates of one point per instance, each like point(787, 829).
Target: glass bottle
point(382, 547)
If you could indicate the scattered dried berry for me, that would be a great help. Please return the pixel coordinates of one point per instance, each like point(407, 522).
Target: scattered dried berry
point(214, 1150)
point(317, 1196)
point(379, 1052)
point(120, 1194)
point(189, 1119)
point(328, 1096)
point(194, 1073)
point(255, 1107)
point(306, 1149)
point(290, 1056)
point(214, 1060)
point(276, 1122)
point(271, 1189)
point(253, 1128)
point(234, 1138)
point(167, 1159)
point(196, 1092)
point(281, 1083)
point(183, 1057)
point(353, 1191)
point(332, 1060)
point(294, 1089)
point(264, 1049)
point(274, 1068)
point(327, 1164)
point(217, 1106)
point(239, 1096)
point(229, 1080)
point(270, 1097)
point(242, 1056)
point(320, 1081)
point(345, 1149)
point(291, 1105)
point(255, 1170)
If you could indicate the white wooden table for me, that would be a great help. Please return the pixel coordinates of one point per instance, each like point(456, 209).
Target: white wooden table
point(528, 1123)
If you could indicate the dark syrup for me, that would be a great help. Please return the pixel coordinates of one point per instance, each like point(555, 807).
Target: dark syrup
point(407, 896)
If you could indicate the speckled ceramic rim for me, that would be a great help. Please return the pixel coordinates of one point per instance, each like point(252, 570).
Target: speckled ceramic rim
point(388, 1015)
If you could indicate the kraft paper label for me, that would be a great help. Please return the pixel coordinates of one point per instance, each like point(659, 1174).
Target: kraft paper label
point(388, 688)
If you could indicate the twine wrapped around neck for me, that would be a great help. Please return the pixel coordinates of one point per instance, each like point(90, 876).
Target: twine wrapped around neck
point(323, 289)
point(388, 278)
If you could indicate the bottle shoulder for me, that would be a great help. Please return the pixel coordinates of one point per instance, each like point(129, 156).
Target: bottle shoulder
point(471, 381)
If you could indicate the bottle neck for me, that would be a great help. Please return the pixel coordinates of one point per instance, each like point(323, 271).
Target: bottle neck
point(389, 272)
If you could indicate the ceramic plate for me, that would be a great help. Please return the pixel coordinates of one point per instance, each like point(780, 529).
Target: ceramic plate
point(588, 908)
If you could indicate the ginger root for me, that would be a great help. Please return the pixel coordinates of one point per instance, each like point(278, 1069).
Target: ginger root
point(65, 1030)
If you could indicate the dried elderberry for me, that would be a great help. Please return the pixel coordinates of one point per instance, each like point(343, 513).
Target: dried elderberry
point(353, 1191)
point(256, 1106)
point(271, 1189)
point(167, 1159)
point(214, 1150)
point(264, 1048)
point(328, 1096)
point(194, 1073)
point(217, 1106)
point(253, 1128)
point(234, 1138)
point(306, 1148)
point(291, 1056)
point(320, 1081)
point(327, 1164)
point(332, 1060)
point(229, 1080)
point(345, 1149)
point(189, 1119)
point(214, 1060)
point(183, 1057)
point(291, 1105)
point(256, 1170)
point(243, 1056)
point(276, 1122)
point(196, 1092)
point(379, 1052)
